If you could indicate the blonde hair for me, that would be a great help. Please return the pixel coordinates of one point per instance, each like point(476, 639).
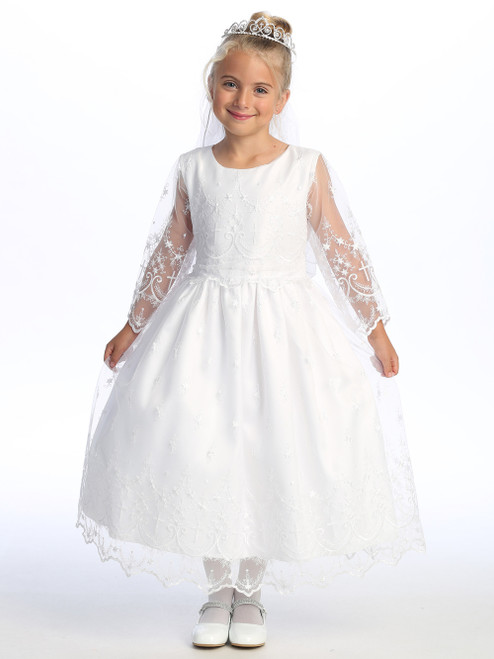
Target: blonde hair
point(275, 55)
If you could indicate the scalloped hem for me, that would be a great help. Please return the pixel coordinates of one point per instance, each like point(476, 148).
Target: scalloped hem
point(285, 577)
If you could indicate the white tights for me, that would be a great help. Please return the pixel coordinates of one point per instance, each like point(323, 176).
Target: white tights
point(250, 574)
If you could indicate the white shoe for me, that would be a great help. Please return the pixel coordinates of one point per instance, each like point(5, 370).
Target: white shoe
point(211, 634)
point(245, 634)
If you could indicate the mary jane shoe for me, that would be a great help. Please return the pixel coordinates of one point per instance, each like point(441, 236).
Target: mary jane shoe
point(211, 634)
point(245, 634)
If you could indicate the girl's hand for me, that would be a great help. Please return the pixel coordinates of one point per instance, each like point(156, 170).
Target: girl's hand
point(384, 350)
point(119, 344)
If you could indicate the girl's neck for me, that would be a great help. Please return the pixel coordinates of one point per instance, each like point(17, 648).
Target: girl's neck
point(249, 151)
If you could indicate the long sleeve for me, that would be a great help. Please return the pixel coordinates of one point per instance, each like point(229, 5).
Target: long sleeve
point(164, 254)
point(346, 260)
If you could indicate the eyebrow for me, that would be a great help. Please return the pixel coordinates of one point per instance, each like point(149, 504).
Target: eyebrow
point(266, 84)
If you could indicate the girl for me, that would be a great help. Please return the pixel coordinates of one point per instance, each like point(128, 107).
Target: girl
point(251, 415)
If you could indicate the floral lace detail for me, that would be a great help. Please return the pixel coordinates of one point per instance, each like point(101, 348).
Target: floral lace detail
point(163, 258)
point(349, 543)
point(344, 249)
point(285, 577)
point(247, 230)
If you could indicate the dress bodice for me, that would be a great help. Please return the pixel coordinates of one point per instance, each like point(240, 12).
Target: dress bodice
point(249, 223)
point(256, 225)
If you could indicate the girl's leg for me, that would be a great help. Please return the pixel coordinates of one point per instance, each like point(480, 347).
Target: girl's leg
point(218, 572)
point(250, 575)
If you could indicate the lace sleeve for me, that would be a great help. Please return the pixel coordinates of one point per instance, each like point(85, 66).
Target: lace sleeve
point(339, 240)
point(163, 255)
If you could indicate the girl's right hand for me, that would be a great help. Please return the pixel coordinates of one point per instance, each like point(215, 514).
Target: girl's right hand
point(119, 344)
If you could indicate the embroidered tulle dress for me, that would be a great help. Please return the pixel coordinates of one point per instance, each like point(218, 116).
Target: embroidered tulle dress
point(250, 416)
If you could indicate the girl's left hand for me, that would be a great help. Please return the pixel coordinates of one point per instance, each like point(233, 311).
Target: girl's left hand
point(384, 350)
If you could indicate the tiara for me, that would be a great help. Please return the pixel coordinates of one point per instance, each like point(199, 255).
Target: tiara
point(261, 27)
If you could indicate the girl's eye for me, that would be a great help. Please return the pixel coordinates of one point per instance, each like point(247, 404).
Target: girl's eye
point(230, 84)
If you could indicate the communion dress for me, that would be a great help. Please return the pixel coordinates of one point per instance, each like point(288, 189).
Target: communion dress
point(250, 416)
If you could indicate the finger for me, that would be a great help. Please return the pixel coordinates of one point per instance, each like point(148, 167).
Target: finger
point(388, 368)
point(108, 351)
point(116, 354)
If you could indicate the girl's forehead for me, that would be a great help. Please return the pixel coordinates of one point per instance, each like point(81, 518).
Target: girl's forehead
point(245, 66)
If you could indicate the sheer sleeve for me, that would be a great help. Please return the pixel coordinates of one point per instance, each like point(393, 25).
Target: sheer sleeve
point(164, 253)
point(338, 241)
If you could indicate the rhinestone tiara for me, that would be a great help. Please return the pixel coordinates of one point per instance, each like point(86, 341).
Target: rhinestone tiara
point(261, 27)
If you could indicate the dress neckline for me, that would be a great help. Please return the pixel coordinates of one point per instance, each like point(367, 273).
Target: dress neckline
point(241, 169)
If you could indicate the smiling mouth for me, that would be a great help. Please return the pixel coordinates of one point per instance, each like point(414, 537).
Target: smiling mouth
point(236, 115)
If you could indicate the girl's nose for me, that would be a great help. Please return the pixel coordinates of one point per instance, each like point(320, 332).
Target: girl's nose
point(241, 98)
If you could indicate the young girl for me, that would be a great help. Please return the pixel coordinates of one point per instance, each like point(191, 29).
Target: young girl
point(250, 432)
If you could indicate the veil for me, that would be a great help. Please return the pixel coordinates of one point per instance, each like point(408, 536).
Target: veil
point(285, 127)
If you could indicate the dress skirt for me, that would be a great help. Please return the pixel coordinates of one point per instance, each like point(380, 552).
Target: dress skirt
point(243, 424)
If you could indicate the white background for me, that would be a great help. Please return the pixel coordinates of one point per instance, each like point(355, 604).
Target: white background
point(97, 99)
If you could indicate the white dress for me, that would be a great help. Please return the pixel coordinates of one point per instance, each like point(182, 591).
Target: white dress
point(248, 418)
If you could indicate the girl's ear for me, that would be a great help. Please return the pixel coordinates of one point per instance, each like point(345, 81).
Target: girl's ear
point(210, 86)
point(282, 101)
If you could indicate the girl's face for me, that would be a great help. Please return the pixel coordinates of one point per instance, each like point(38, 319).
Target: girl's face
point(245, 94)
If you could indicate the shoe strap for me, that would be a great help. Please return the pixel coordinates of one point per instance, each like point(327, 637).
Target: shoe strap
point(245, 600)
point(215, 604)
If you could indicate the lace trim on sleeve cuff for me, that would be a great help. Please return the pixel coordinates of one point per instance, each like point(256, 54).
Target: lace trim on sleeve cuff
point(132, 324)
point(372, 327)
